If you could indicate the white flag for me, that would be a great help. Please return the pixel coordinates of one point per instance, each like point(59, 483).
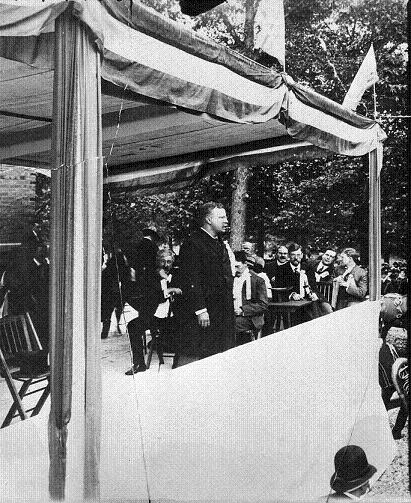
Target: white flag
point(365, 78)
point(269, 29)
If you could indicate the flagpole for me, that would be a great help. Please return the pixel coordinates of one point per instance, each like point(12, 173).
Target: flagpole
point(375, 101)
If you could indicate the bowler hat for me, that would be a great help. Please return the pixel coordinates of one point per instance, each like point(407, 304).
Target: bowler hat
point(352, 469)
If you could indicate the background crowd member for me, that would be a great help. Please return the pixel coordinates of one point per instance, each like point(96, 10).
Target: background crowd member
point(352, 473)
point(403, 281)
point(258, 267)
point(38, 289)
point(27, 284)
point(252, 257)
point(250, 299)
point(275, 270)
point(143, 294)
point(385, 279)
point(206, 279)
point(114, 278)
point(352, 285)
point(33, 240)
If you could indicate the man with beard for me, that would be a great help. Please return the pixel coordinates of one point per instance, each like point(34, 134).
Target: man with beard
point(301, 287)
point(206, 310)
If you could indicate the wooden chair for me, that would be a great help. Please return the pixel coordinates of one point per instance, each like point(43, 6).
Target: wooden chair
point(20, 347)
point(326, 289)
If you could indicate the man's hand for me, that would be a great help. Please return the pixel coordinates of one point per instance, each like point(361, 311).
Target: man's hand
point(313, 296)
point(203, 320)
point(341, 281)
point(238, 311)
point(295, 296)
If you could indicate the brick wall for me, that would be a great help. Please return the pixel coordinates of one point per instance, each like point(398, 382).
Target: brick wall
point(17, 192)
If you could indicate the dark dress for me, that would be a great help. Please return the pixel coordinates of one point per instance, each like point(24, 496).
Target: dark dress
point(206, 280)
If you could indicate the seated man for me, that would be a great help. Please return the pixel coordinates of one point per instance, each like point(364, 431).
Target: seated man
point(164, 317)
point(320, 273)
point(276, 270)
point(153, 308)
point(301, 287)
point(250, 300)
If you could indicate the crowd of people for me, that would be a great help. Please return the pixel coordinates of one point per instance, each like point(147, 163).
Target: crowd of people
point(210, 298)
point(394, 278)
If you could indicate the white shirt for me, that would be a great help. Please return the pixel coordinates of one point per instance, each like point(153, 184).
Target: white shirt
point(163, 309)
point(238, 288)
point(303, 279)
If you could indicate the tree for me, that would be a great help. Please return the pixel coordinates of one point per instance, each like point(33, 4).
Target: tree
point(320, 201)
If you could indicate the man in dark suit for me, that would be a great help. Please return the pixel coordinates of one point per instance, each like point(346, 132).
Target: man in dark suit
point(143, 293)
point(250, 299)
point(302, 289)
point(38, 291)
point(322, 271)
point(206, 309)
point(275, 270)
point(114, 278)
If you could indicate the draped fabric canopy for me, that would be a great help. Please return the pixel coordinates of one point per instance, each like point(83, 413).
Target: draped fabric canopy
point(184, 98)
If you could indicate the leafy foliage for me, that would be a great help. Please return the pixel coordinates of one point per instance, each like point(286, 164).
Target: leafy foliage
point(319, 202)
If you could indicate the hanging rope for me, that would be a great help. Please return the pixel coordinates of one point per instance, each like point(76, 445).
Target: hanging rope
point(120, 291)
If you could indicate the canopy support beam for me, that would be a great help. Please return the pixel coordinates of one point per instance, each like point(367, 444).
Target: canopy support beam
point(374, 237)
point(75, 252)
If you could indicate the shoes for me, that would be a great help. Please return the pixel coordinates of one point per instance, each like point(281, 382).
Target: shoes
point(135, 369)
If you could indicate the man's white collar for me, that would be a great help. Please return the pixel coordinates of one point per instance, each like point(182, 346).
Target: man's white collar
point(211, 236)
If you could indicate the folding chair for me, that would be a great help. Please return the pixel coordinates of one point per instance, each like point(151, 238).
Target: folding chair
point(20, 346)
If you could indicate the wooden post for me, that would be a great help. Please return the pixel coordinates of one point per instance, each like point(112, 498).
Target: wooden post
point(374, 243)
point(75, 252)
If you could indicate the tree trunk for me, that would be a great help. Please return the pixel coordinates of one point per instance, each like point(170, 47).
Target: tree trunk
point(239, 206)
point(260, 229)
point(250, 10)
point(243, 173)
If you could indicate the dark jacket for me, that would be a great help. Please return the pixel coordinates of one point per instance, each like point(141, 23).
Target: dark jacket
point(206, 280)
point(278, 274)
point(142, 259)
point(205, 272)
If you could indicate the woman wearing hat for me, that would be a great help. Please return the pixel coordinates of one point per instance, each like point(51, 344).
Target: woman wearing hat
point(352, 474)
